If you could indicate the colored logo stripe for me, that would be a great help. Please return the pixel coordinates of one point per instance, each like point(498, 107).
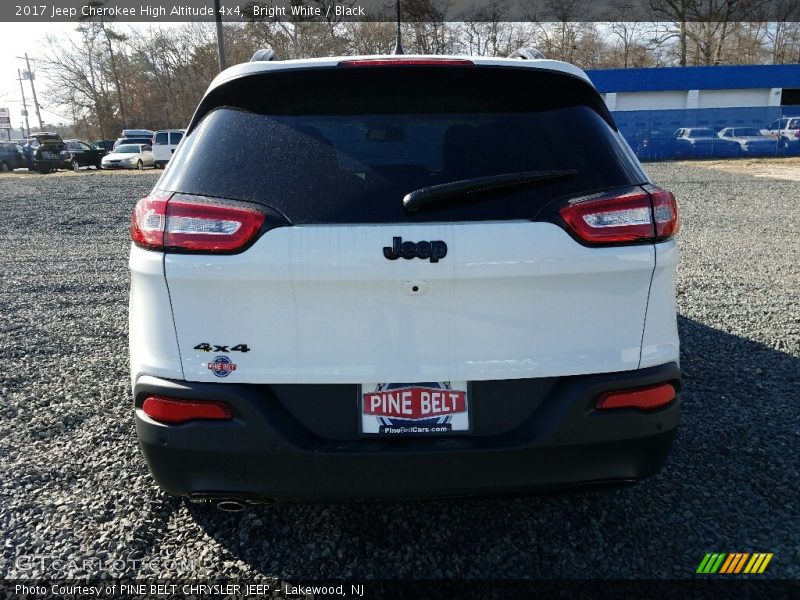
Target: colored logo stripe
point(710, 563)
point(734, 562)
point(758, 563)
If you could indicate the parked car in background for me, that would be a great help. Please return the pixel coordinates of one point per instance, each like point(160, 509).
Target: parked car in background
point(132, 140)
point(164, 143)
point(136, 133)
point(105, 145)
point(653, 144)
point(129, 156)
point(750, 140)
point(698, 142)
point(83, 154)
point(135, 136)
point(786, 132)
point(12, 156)
point(49, 152)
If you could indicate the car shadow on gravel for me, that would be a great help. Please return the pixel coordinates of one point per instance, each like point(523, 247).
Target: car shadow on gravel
point(730, 484)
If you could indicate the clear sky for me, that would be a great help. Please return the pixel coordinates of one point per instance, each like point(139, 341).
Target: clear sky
point(15, 40)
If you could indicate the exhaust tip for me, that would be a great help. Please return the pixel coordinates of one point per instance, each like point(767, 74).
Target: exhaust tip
point(230, 506)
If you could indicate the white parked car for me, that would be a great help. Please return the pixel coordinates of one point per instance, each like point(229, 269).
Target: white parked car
point(414, 282)
point(164, 144)
point(749, 139)
point(129, 156)
point(786, 132)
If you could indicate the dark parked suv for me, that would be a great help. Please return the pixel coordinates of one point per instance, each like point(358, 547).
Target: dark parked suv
point(84, 155)
point(51, 153)
point(12, 156)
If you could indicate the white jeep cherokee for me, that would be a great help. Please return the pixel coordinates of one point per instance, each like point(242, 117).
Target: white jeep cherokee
point(402, 275)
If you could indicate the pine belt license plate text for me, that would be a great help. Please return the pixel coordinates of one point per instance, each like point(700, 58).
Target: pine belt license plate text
point(398, 409)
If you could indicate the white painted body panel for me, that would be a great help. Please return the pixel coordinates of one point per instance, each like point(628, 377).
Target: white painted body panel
point(321, 304)
point(153, 345)
point(660, 340)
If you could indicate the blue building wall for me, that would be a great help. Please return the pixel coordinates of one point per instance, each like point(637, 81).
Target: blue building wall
point(662, 79)
point(638, 125)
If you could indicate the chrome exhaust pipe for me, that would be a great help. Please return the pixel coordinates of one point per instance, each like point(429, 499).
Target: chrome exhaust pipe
point(230, 506)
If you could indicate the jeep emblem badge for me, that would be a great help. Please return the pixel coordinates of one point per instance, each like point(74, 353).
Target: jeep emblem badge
point(434, 250)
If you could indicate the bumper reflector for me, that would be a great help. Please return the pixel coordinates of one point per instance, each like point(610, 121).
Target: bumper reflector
point(649, 398)
point(175, 410)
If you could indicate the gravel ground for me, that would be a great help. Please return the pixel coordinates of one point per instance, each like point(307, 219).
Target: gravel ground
point(74, 487)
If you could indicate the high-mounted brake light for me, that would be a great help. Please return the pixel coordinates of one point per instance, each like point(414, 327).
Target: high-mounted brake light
point(175, 410)
point(649, 398)
point(638, 215)
point(384, 62)
point(184, 222)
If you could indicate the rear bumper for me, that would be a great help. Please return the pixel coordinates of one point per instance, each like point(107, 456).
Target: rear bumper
point(286, 441)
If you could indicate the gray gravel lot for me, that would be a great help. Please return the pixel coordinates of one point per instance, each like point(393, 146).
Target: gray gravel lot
point(73, 485)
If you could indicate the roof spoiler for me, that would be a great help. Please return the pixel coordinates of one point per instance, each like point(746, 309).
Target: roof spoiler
point(526, 53)
point(265, 54)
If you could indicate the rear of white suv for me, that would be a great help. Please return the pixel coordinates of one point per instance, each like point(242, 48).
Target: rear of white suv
point(408, 276)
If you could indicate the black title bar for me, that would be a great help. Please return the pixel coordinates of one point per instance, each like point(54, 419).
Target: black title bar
point(412, 11)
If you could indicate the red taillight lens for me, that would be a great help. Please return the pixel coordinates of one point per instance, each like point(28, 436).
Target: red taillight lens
point(184, 222)
point(665, 212)
point(640, 214)
point(607, 220)
point(175, 410)
point(147, 221)
point(431, 62)
point(649, 398)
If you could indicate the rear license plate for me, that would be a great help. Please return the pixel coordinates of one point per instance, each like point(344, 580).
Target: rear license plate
point(407, 409)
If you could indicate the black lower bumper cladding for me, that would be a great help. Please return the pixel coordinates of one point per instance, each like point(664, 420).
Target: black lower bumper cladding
point(302, 441)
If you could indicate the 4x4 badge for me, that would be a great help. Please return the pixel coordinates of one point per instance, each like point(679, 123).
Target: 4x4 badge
point(434, 250)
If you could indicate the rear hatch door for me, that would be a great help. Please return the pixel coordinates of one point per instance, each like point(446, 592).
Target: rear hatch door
point(344, 288)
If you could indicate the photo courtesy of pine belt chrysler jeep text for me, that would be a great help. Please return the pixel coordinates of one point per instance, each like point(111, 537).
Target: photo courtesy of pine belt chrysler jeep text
point(402, 276)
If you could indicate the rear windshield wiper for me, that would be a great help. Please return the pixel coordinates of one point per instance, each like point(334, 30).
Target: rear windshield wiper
point(415, 200)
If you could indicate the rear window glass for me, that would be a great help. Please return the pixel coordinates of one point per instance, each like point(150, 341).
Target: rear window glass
point(175, 137)
point(162, 138)
point(349, 156)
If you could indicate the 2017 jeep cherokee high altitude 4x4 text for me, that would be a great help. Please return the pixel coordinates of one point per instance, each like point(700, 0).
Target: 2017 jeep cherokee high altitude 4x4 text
point(389, 276)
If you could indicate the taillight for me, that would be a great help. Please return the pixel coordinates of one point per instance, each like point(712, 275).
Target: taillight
point(608, 220)
point(665, 212)
point(384, 62)
point(197, 224)
point(638, 215)
point(649, 398)
point(175, 410)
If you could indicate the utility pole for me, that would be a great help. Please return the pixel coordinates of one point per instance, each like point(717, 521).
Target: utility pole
point(27, 130)
point(220, 40)
point(33, 89)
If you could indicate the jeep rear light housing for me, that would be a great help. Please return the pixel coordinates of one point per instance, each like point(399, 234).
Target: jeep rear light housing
point(182, 222)
point(640, 214)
